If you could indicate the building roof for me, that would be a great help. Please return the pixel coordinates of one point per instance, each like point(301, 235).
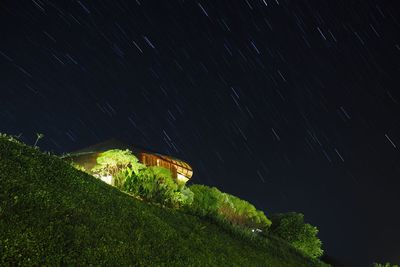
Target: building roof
point(117, 144)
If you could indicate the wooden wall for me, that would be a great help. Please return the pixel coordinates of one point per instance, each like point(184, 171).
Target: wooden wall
point(154, 160)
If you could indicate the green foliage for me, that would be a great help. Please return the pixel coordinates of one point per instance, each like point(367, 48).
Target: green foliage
point(186, 195)
point(241, 212)
point(223, 207)
point(384, 265)
point(303, 236)
point(115, 160)
point(155, 184)
point(206, 200)
point(78, 167)
point(53, 215)
point(11, 138)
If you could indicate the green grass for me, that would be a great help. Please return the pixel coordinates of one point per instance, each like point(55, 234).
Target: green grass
point(52, 214)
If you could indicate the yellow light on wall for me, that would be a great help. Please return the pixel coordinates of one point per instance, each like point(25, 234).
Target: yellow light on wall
point(182, 178)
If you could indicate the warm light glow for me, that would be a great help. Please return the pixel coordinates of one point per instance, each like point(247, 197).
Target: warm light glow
point(182, 178)
point(107, 179)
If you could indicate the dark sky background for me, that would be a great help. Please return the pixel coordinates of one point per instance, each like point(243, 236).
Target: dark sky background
point(291, 105)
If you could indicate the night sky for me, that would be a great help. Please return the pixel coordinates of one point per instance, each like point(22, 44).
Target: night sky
point(292, 105)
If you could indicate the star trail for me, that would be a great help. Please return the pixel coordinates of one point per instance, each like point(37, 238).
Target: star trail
point(291, 105)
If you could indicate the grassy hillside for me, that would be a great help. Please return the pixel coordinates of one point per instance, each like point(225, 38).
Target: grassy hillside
point(51, 214)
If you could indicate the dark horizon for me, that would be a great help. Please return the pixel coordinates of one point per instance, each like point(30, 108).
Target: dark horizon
point(291, 105)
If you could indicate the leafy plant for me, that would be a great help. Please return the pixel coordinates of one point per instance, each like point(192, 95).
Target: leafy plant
point(11, 138)
point(115, 160)
point(206, 200)
point(243, 213)
point(155, 184)
point(223, 207)
point(387, 264)
point(303, 236)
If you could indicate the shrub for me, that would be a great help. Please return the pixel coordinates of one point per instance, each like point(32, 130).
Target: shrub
point(210, 202)
point(206, 200)
point(11, 138)
point(243, 213)
point(115, 160)
point(384, 265)
point(155, 184)
point(303, 236)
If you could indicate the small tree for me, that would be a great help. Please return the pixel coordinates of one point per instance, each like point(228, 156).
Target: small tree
point(155, 184)
point(303, 236)
point(113, 161)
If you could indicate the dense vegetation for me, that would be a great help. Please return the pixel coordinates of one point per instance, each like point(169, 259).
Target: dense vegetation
point(153, 184)
point(52, 214)
point(113, 161)
point(156, 185)
point(303, 236)
point(225, 208)
point(384, 265)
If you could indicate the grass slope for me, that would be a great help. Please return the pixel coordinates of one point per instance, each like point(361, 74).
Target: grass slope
point(52, 214)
